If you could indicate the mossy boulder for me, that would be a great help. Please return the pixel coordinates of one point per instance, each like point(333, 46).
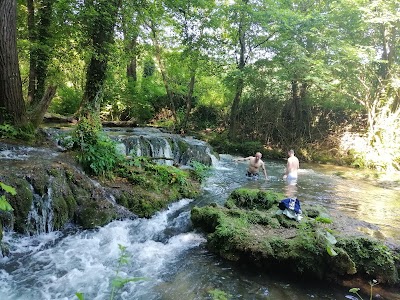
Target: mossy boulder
point(151, 188)
point(253, 199)
point(247, 229)
point(21, 203)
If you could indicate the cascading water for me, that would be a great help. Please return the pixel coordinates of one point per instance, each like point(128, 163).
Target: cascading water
point(61, 265)
point(171, 255)
point(41, 214)
point(166, 148)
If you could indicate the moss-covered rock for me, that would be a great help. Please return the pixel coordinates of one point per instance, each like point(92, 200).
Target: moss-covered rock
point(21, 203)
point(247, 229)
point(253, 199)
point(372, 258)
point(152, 187)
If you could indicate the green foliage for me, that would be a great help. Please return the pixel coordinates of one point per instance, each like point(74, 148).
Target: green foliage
point(67, 101)
point(9, 131)
point(206, 116)
point(200, 171)
point(356, 290)
point(97, 152)
point(217, 294)
point(4, 205)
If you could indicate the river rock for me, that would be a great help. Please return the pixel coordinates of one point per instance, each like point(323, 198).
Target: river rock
point(249, 229)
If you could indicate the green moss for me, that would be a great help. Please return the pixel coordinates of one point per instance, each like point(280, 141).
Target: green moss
point(286, 222)
point(183, 147)
point(40, 181)
point(92, 215)
point(21, 202)
point(342, 264)
point(253, 199)
point(154, 187)
point(64, 204)
point(372, 259)
point(267, 240)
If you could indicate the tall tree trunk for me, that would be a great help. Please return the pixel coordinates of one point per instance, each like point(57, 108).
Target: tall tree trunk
point(45, 47)
point(12, 104)
point(102, 36)
point(131, 69)
point(239, 84)
point(40, 38)
point(32, 51)
point(189, 98)
point(38, 111)
point(163, 71)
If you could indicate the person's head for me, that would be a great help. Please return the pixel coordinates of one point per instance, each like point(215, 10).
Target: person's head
point(258, 155)
point(291, 152)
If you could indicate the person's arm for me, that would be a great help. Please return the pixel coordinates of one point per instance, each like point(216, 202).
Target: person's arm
point(243, 159)
point(265, 171)
point(286, 170)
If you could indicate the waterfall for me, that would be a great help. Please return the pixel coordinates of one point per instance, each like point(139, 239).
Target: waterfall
point(166, 148)
point(41, 214)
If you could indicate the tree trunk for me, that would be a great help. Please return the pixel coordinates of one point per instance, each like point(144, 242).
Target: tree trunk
point(32, 52)
point(102, 35)
point(44, 48)
point(189, 98)
point(131, 69)
point(40, 38)
point(12, 105)
point(37, 113)
point(239, 84)
point(163, 71)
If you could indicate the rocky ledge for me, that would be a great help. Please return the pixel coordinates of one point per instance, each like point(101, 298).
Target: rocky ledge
point(251, 229)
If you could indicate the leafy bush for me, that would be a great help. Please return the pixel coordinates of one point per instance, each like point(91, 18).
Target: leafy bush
point(67, 101)
point(97, 152)
point(8, 131)
point(204, 116)
point(200, 171)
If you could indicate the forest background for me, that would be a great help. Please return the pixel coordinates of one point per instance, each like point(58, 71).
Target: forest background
point(321, 77)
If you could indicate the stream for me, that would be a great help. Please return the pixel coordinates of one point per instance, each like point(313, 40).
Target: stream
point(172, 257)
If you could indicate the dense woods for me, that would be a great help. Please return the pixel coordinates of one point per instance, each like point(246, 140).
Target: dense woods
point(317, 76)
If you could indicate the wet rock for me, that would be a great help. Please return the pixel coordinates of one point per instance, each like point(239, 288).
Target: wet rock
point(248, 230)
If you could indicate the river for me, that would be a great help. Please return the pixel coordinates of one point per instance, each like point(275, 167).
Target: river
point(172, 256)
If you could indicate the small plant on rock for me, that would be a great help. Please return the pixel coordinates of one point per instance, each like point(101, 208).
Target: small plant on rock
point(356, 290)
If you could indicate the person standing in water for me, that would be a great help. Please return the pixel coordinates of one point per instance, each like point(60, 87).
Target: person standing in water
point(292, 167)
point(255, 163)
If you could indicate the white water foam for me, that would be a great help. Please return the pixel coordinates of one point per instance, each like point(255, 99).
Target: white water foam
point(87, 262)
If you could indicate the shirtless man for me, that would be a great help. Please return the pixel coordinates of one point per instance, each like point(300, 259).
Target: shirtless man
point(291, 168)
point(254, 165)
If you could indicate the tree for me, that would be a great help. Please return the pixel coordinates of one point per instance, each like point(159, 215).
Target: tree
point(12, 105)
point(374, 59)
point(102, 16)
point(248, 26)
point(41, 41)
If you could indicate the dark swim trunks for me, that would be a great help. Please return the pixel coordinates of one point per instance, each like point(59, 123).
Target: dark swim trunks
point(252, 175)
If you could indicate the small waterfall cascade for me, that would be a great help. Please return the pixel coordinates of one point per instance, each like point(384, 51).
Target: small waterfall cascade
point(165, 148)
point(41, 214)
